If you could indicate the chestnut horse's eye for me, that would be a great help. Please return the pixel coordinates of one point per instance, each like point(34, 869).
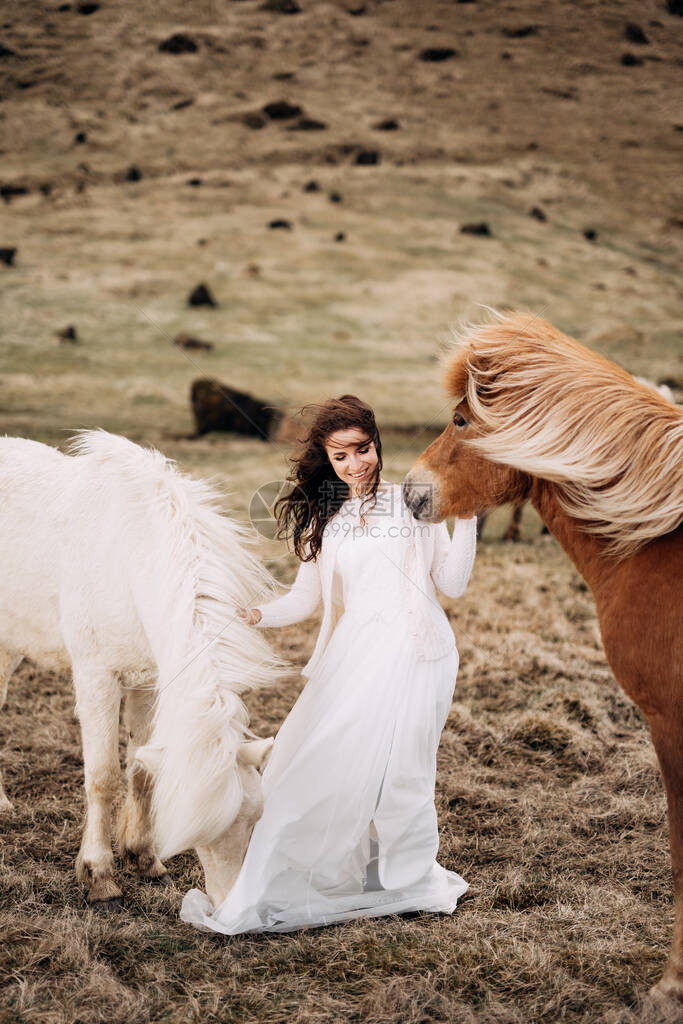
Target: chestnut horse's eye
point(459, 420)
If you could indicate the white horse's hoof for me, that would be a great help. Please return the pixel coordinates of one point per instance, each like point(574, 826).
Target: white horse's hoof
point(667, 989)
point(6, 805)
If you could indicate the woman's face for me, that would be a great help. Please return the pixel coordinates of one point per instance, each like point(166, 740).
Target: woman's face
point(353, 457)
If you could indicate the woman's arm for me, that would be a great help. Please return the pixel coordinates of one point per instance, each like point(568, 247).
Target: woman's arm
point(454, 557)
point(298, 603)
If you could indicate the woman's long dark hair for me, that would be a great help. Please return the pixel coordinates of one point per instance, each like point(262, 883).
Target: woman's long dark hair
point(317, 492)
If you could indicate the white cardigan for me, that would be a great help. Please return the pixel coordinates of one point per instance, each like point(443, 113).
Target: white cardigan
point(432, 558)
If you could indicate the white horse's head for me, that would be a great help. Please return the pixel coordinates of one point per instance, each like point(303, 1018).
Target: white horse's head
point(214, 813)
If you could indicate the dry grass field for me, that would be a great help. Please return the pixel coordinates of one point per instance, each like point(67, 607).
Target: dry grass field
point(548, 792)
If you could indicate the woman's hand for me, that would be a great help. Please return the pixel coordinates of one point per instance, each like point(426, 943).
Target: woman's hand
point(249, 615)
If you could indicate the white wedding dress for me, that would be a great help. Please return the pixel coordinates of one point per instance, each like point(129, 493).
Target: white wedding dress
point(349, 827)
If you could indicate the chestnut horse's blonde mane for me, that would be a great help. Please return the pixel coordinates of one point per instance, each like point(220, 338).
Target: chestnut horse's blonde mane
point(550, 407)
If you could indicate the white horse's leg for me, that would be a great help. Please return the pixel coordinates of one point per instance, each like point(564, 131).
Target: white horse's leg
point(98, 700)
point(135, 826)
point(8, 663)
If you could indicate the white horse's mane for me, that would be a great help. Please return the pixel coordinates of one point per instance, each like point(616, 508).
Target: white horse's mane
point(196, 569)
point(548, 406)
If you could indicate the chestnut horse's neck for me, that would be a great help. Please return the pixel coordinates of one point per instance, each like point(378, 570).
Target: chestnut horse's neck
point(586, 551)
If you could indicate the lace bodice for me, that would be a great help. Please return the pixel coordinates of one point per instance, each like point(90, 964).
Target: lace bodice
point(371, 560)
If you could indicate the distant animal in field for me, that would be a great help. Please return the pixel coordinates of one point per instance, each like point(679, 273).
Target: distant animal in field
point(600, 455)
point(117, 567)
point(514, 527)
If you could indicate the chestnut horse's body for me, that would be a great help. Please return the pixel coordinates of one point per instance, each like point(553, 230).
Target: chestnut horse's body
point(600, 456)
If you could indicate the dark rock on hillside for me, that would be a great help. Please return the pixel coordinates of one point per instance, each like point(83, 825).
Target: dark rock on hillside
point(191, 344)
point(87, 8)
point(591, 235)
point(537, 213)
point(340, 237)
point(179, 42)
point(181, 104)
point(357, 12)
point(80, 138)
point(68, 335)
point(195, 182)
point(133, 173)
point(255, 121)
point(5, 51)
point(438, 53)
point(7, 256)
point(281, 110)
point(629, 60)
point(390, 125)
point(675, 7)
point(311, 186)
point(8, 192)
point(635, 34)
point(521, 32)
point(367, 158)
point(281, 223)
point(481, 229)
point(201, 296)
point(218, 407)
point(307, 124)
point(336, 197)
point(281, 6)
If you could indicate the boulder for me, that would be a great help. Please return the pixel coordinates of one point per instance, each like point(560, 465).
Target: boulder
point(282, 110)
point(520, 32)
point(7, 256)
point(307, 124)
point(179, 42)
point(438, 53)
point(481, 229)
point(635, 34)
point(190, 344)
point(254, 120)
point(8, 192)
point(367, 158)
point(68, 335)
point(281, 6)
point(201, 296)
point(217, 406)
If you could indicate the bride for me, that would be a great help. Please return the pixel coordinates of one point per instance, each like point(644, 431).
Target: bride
point(349, 827)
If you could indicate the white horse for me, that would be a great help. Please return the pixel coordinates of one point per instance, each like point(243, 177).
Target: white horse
point(115, 565)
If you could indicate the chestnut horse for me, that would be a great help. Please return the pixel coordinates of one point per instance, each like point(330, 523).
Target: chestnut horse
point(537, 416)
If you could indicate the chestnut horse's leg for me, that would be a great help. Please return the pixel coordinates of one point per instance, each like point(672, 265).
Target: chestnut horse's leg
point(98, 700)
point(135, 826)
point(513, 530)
point(667, 736)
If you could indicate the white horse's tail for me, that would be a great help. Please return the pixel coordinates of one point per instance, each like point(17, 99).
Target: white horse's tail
point(189, 568)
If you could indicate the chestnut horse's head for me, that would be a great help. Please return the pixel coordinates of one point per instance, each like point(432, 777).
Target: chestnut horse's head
point(532, 404)
point(452, 478)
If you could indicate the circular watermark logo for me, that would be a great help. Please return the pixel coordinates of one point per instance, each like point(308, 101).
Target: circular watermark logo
point(262, 504)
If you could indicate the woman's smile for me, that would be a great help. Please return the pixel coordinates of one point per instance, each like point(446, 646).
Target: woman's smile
point(353, 457)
